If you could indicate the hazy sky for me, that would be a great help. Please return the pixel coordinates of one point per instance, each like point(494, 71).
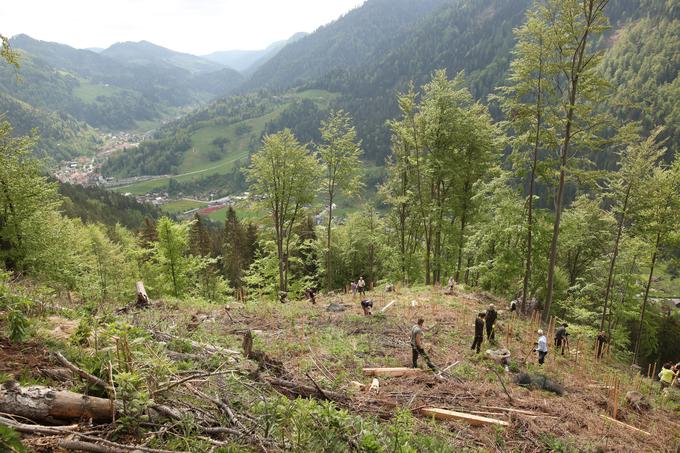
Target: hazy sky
point(194, 26)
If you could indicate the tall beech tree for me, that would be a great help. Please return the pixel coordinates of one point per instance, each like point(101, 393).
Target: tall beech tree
point(627, 187)
point(286, 177)
point(339, 153)
point(445, 143)
point(574, 27)
point(523, 103)
point(658, 223)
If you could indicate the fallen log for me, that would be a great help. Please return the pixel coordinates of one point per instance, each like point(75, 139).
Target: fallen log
point(392, 372)
point(474, 420)
point(625, 425)
point(77, 445)
point(52, 406)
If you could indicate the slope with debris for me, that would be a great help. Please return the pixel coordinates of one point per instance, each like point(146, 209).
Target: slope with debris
point(181, 377)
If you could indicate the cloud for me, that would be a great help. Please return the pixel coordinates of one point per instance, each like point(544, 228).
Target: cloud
point(195, 26)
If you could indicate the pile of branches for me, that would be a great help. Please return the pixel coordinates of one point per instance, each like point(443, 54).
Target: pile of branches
point(212, 406)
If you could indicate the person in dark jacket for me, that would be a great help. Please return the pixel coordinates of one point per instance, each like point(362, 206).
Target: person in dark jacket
point(561, 335)
point(479, 332)
point(491, 316)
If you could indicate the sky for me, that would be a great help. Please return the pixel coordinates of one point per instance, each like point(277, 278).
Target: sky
point(193, 26)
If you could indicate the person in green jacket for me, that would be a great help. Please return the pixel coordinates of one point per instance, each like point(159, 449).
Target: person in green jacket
point(666, 375)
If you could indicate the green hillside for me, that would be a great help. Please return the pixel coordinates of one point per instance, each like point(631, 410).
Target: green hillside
point(101, 91)
point(201, 156)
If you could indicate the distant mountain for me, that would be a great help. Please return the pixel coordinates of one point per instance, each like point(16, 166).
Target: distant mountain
point(361, 35)
point(148, 54)
point(247, 60)
point(95, 49)
point(114, 89)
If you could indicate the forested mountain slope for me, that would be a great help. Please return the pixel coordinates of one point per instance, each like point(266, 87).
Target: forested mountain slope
point(147, 83)
point(61, 136)
point(349, 42)
point(644, 65)
point(144, 53)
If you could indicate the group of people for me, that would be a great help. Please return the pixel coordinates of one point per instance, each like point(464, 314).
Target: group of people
point(484, 319)
point(358, 287)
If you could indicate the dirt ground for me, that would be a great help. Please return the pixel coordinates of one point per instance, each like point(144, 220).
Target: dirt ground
point(574, 419)
point(332, 348)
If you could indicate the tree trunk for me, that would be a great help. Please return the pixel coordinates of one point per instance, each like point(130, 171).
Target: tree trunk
point(532, 180)
point(428, 252)
point(646, 297)
point(463, 220)
point(279, 249)
point(142, 297)
point(328, 242)
point(577, 66)
point(44, 404)
point(615, 254)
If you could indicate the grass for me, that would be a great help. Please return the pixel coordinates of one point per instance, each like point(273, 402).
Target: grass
point(180, 206)
point(241, 213)
point(89, 92)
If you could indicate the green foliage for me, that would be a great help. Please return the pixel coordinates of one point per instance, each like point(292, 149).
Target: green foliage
point(135, 400)
point(97, 205)
point(10, 440)
point(284, 175)
point(304, 424)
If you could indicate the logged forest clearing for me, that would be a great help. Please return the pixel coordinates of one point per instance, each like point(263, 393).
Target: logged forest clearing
point(182, 376)
point(424, 226)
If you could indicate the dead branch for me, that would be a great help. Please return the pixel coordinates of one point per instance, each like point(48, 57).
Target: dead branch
point(80, 372)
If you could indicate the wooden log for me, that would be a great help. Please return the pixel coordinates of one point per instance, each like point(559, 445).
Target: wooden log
point(77, 445)
point(474, 420)
point(387, 306)
point(212, 349)
point(392, 372)
point(48, 405)
point(625, 425)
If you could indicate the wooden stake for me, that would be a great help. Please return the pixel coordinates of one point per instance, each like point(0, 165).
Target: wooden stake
point(625, 425)
point(475, 420)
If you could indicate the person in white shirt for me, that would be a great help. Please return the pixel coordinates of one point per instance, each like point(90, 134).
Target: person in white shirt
point(541, 347)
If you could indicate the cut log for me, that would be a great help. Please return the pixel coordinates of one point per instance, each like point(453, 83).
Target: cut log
point(625, 425)
point(474, 420)
point(388, 306)
point(392, 372)
point(52, 406)
point(77, 445)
